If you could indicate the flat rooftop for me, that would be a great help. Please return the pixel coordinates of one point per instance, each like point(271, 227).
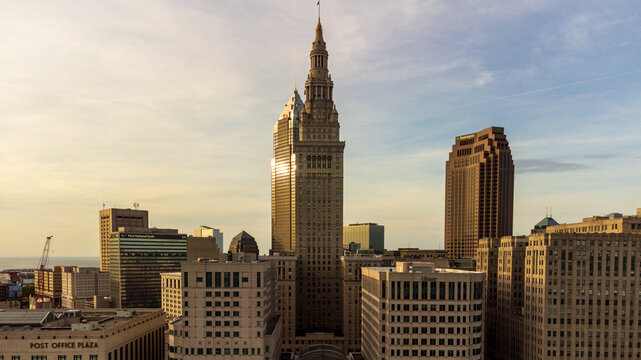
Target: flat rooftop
point(20, 320)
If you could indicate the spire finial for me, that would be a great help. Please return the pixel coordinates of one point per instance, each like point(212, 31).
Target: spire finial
point(318, 4)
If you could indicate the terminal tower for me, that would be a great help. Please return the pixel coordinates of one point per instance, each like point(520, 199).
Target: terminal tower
point(307, 208)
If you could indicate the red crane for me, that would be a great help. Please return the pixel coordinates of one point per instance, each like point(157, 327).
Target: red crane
point(44, 258)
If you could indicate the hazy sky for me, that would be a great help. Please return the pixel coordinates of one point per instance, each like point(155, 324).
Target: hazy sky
point(172, 104)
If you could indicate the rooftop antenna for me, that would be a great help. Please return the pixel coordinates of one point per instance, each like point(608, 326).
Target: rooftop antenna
point(136, 206)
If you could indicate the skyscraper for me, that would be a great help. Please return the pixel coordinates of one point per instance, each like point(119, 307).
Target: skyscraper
point(307, 196)
point(110, 221)
point(479, 191)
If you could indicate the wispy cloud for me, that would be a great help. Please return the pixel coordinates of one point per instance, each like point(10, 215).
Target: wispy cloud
point(546, 166)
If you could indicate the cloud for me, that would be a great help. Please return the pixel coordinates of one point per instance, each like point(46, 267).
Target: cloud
point(546, 166)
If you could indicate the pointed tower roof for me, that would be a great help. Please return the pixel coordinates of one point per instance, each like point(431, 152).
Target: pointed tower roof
point(319, 42)
point(293, 107)
point(547, 221)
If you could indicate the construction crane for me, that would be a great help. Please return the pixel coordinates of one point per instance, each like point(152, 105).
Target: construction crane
point(44, 258)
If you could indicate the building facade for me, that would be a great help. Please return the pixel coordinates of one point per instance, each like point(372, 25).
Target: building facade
point(307, 200)
point(110, 220)
point(171, 294)
point(368, 236)
point(229, 312)
point(285, 272)
point(509, 298)
point(352, 294)
point(415, 310)
point(479, 191)
point(206, 231)
point(82, 334)
point(244, 243)
point(487, 263)
point(138, 256)
point(81, 284)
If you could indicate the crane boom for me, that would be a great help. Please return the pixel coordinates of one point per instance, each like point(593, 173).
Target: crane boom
point(44, 258)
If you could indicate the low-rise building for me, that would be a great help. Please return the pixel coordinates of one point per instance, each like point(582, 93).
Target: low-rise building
point(81, 284)
point(366, 236)
point(82, 334)
point(229, 311)
point(415, 310)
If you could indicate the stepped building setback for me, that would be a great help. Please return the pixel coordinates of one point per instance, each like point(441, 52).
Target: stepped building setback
point(479, 191)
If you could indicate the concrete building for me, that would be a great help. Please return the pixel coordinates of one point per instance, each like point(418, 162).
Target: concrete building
point(543, 224)
point(352, 299)
point(479, 191)
point(244, 243)
point(307, 201)
point(487, 263)
point(229, 312)
point(437, 257)
point(285, 269)
point(48, 284)
point(568, 291)
point(81, 284)
point(370, 236)
point(138, 256)
point(415, 310)
point(202, 247)
point(171, 294)
point(82, 334)
point(614, 223)
point(206, 231)
point(112, 219)
point(509, 298)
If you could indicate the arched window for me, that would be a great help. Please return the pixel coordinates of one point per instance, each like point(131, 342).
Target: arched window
point(329, 162)
point(314, 162)
point(324, 162)
point(309, 161)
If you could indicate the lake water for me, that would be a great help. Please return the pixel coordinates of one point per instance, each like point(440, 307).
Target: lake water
point(32, 262)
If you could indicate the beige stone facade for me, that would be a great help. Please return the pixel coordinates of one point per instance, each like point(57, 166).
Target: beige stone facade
point(352, 299)
point(110, 220)
point(81, 284)
point(82, 334)
point(510, 297)
point(415, 311)
point(171, 294)
point(48, 284)
point(614, 223)
point(479, 191)
point(285, 268)
point(578, 288)
point(486, 262)
point(229, 311)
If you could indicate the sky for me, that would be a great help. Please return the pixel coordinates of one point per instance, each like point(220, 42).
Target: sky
point(171, 104)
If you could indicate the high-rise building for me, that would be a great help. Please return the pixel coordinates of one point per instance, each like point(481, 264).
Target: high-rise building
point(138, 256)
point(509, 298)
point(202, 247)
point(285, 270)
point(487, 262)
point(570, 291)
point(206, 231)
point(307, 199)
point(81, 284)
point(416, 311)
point(229, 312)
point(368, 236)
point(479, 191)
point(110, 220)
